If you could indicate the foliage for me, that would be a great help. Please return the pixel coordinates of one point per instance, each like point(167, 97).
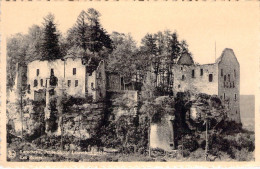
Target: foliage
point(50, 43)
point(230, 144)
point(149, 91)
point(182, 105)
point(159, 107)
point(37, 44)
point(189, 143)
point(16, 53)
point(87, 39)
point(123, 58)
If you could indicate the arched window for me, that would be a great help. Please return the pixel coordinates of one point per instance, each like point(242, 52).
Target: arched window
point(183, 77)
point(225, 78)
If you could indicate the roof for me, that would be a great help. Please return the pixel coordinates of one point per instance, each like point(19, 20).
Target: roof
point(226, 50)
point(185, 59)
point(219, 59)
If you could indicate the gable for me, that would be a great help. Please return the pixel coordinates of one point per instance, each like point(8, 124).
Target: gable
point(185, 59)
point(228, 56)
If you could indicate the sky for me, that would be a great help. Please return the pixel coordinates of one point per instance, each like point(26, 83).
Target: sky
point(202, 24)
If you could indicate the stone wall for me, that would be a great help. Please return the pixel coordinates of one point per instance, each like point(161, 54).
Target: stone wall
point(161, 135)
point(85, 123)
point(98, 80)
point(71, 75)
point(101, 80)
point(229, 84)
point(195, 78)
point(224, 81)
point(44, 71)
point(73, 90)
point(127, 98)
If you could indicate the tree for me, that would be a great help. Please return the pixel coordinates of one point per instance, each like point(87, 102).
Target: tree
point(16, 53)
point(87, 39)
point(78, 37)
point(149, 44)
point(50, 45)
point(163, 50)
point(99, 38)
point(34, 40)
point(123, 58)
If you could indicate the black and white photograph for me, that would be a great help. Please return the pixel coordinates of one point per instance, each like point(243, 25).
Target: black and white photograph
point(130, 81)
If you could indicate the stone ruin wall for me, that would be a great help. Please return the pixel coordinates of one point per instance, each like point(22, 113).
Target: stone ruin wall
point(199, 83)
point(229, 84)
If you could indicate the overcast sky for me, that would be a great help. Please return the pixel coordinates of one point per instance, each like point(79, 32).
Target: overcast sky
point(230, 24)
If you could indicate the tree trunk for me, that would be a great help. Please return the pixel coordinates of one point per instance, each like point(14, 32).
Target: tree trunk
point(22, 114)
point(149, 141)
point(61, 135)
point(206, 148)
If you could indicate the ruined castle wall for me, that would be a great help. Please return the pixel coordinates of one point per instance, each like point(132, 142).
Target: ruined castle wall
point(161, 135)
point(97, 82)
point(92, 86)
point(196, 78)
point(101, 81)
point(70, 74)
point(76, 90)
point(40, 80)
point(229, 84)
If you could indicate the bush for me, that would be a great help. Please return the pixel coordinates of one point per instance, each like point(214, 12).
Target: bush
point(186, 153)
point(189, 143)
point(242, 155)
point(198, 154)
point(237, 146)
point(245, 141)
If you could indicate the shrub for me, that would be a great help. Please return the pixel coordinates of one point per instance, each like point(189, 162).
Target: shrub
point(198, 154)
point(186, 153)
point(242, 155)
point(244, 141)
point(189, 143)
